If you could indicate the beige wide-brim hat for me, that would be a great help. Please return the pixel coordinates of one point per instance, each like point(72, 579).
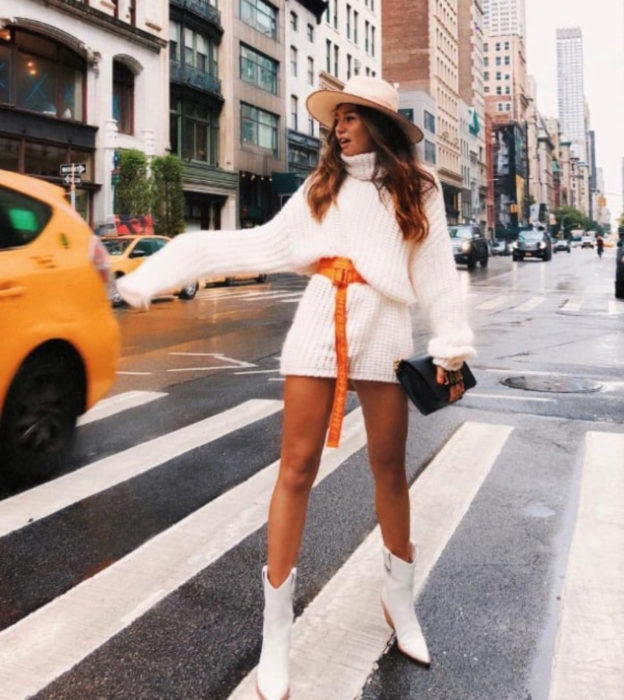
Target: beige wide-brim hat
point(361, 90)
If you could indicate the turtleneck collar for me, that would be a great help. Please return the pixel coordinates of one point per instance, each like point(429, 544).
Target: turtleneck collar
point(361, 166)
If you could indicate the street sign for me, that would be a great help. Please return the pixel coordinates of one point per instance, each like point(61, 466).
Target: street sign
point(67, 179)
point(75, 168)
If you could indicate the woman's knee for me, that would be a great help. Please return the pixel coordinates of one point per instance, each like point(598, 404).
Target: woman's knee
point(389, 473)
point(298, 469)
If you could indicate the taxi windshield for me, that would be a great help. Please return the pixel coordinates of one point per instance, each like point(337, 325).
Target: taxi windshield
point(460, 232)
point(116, 247)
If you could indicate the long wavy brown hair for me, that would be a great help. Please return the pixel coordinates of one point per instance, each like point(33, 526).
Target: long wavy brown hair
point(396, 171)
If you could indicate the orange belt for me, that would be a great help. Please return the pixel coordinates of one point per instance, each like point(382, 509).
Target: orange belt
point(342, 273)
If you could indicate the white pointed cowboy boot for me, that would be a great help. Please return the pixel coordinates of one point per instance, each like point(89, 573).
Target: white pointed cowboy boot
point(397, 599)
point(272, 680)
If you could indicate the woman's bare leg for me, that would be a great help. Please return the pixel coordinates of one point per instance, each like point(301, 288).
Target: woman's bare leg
point(307, 405)
point(384, 406)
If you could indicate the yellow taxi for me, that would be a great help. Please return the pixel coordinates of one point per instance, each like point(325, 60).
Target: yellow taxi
point(128, 252)
point(60, 342)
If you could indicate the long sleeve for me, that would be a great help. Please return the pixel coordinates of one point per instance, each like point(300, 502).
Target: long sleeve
point(436, 283)
point(191, 256)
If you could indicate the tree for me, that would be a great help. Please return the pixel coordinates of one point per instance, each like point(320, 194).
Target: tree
point(132, 195)
point(569, 218)
point(167, 195)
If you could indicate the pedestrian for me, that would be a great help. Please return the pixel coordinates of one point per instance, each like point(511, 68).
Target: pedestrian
point(369, 226)
point(599, 245)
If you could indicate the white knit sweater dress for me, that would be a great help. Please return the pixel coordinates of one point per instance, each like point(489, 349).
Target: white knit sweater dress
point(359, 226)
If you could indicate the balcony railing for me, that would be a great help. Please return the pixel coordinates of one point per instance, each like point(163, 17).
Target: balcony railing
point(184, 74)
point(201, 8)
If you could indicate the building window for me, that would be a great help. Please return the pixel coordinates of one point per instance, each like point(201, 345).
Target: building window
point(258, 69)
point(293, 21)
point(349, 59)
point(486, 61)
point(194, 132)
point(328, 56)
point(260, 15)
point(41, 75)
point(429, 121)
point(508, 107)
point(372, 41)
point(123, 97)
point(310, 32)
point(293, 61)
point(485, 48)
point(193, 49)
point(335, 14)
point(499, 90)
point(506, 46)
point(294, 110)
point(430, 151)
point(310, 126)
point(310, 71)
point(486, 75)
point(258, 127)
point(498, 60)
point(507, 60)
point(348, 21)
point(507, 90)
point(366, 32)
point(498, 75)
point(336, 54)
point(355, 27)
point(498, 45)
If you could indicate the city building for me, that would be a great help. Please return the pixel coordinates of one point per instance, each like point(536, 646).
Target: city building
point(73, 78)
point(304, 52)
point(505, 17)
point(571, 90)
point(252, 134)
point(420, 52)
point(471, 91)
point(196, 69)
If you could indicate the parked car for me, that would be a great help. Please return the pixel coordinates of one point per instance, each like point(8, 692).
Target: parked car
point(587, 241)
point(619, 269)
point(561, 244)
point(469, 245)
point(500, 247)
point(128, 252)
point(60, 341)
point(532, 243)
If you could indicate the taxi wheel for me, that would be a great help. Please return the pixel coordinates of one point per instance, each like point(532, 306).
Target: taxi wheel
point(189, 291)
point(39, 418)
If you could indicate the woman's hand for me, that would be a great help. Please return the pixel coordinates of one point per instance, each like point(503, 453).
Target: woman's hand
point(456, 389)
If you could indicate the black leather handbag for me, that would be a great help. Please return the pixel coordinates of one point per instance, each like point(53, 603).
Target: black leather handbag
point(418, 377)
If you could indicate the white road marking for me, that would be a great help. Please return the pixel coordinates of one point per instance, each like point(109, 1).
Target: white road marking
point(572, 305)
point(616, 307)
point(589, 653)
point(135, 374)
point(491, 303)
point(505, 397)
point(342, 633)
point(39, 502)
point(54, 638)
point(120, 402)
point(228, 362)
point(258, 371)
point(529, 304)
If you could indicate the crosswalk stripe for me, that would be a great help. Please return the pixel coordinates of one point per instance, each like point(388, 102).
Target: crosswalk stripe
point(342, 633)
point(589, 652)
point(120, 402)
point(572, 305)
point(491, 303)
point(43, 500)
point(529, 304)
point(54, 638)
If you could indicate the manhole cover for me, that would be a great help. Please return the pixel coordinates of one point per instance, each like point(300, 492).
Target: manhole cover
point(553, 383)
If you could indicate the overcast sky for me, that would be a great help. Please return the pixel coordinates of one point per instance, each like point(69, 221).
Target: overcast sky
point(602, 24)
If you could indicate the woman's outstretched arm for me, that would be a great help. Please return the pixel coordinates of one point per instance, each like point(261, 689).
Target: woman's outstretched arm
point(191, 256)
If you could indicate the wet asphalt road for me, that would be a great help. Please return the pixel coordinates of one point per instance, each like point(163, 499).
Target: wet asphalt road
point(490, 604)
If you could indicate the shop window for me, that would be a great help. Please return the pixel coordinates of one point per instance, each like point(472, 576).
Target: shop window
point(123, 97)
point(194, 132)
point(9, 154)
point(41, 75)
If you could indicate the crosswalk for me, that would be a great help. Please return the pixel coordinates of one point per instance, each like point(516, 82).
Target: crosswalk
point(340, 635)
point(513, 301)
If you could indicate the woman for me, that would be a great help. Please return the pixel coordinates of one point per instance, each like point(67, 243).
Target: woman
point(369, 226)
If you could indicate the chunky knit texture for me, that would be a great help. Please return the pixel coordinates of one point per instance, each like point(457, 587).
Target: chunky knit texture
point(360, 225)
